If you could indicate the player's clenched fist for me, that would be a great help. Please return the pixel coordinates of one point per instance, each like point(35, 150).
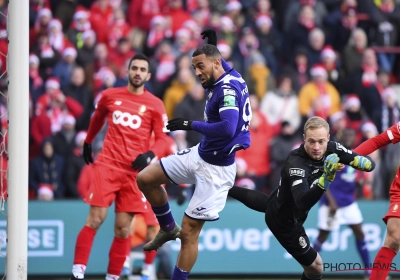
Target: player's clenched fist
point(361, 163)
point(179, 124)
point(331, 165)
point(87, 153)
point(211, 35)
point(143, 160)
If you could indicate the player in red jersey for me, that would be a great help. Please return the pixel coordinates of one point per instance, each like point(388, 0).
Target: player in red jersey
point(133, 114)
point(384, 258)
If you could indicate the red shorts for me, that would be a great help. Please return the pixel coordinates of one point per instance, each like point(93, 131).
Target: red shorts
point(149, 218)
point(111, 185)
point(394, 208)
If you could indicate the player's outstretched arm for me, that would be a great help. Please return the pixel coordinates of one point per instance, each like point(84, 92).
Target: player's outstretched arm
point(306, 197)
point(226, 128)
point(255, 200)
point(348, 157)
point(373, 144)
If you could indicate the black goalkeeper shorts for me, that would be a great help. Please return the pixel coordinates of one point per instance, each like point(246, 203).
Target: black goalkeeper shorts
point(294, 239)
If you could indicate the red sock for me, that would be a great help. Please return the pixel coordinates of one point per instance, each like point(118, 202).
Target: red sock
point(117, 255)
point(150, 256)
point(382, 263)
point(83, 245)
point(128, 246)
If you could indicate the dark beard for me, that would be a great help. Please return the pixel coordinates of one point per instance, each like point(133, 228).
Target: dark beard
point(210, 83)
point(136, 85)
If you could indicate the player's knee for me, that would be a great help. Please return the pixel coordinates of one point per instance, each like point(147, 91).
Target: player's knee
point(393, 242)
point(189, 235)
point(315, 269)
point(142, 180)
point(121, 232)
point(94, 222)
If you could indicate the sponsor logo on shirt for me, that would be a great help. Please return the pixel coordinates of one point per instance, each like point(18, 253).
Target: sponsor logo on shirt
point(315, 171)
point(126, 119)
point(297, 172)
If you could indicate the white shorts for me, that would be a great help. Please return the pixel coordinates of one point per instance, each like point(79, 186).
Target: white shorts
point(212, 182)
point(349, 215)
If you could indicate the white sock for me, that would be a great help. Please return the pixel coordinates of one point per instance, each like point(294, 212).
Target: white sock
point(127, 262)
point(148, 267)
point(78, 270)
point(112, 277)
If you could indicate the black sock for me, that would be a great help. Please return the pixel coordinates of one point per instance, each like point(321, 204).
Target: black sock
point(255, 200)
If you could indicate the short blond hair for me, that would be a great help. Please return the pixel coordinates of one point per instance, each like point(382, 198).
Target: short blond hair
point(316, 122)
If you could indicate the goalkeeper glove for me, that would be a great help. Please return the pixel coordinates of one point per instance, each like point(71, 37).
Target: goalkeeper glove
point(361, 163)
point(179, 124)
point(331, 165)
point(87, 153)
point(211, 35)
point(143, 160)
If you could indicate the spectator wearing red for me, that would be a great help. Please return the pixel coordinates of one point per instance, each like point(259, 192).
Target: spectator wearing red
point(43, 18)
point(118, 28)
point(354, 116)
point(166, 67)
point(101, 18)
point(52, 85)
point(201, 12)
point(36, 84)
point(140, 12)
point(118, 56)
point(157, 33)
point(176, 14)
point(53, 97)
point(104, 78)
point(57, 38)
point(184, 42)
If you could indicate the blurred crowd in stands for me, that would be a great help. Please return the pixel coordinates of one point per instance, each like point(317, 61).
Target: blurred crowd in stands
point(337, 59)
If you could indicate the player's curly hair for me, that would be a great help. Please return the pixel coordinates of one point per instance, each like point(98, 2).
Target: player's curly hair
point(208, 50)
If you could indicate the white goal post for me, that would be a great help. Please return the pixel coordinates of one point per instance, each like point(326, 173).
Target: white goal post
point(18, 141)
